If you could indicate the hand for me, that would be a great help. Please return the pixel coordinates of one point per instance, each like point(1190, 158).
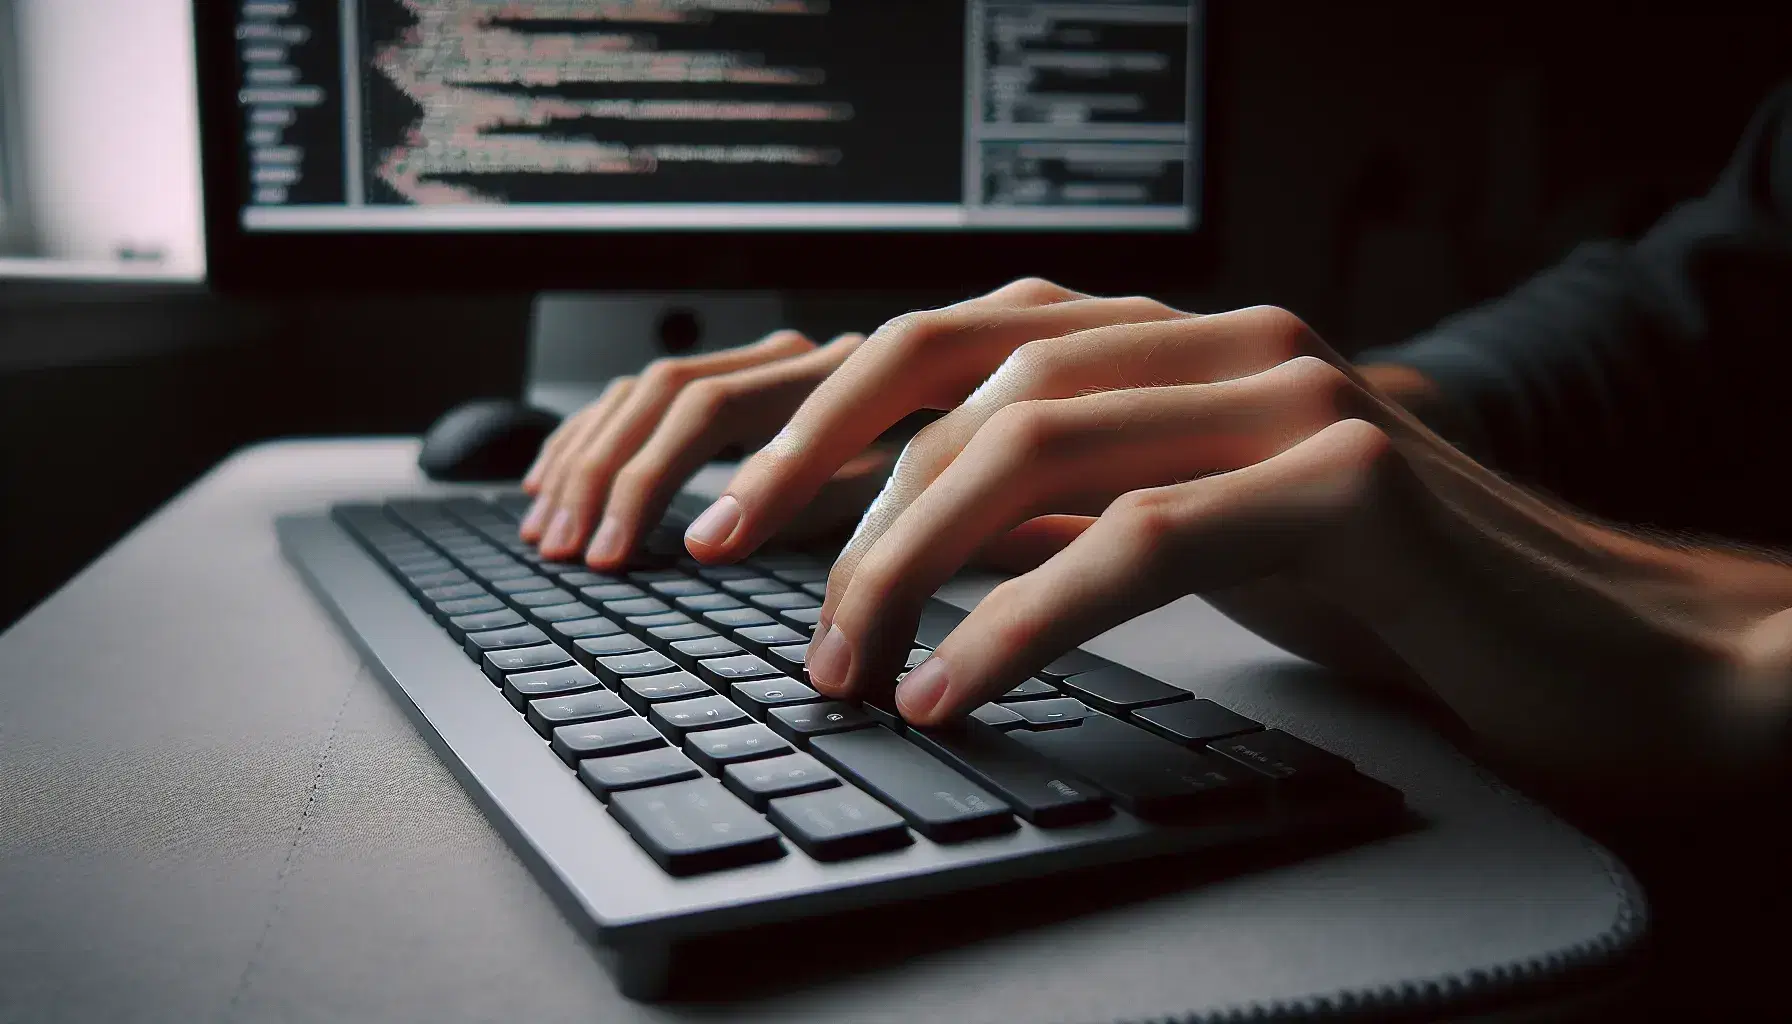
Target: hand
point(619, 461)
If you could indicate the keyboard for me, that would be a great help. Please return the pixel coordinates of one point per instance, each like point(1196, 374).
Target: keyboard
point(647, 742)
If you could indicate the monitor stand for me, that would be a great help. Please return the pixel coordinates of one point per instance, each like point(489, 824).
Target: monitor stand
point(579, 341)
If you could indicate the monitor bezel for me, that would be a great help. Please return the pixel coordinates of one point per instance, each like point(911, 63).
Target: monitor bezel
point(240, 261)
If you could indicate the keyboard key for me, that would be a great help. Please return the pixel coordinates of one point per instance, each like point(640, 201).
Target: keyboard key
point(1194, 723)
point(1073, 662)
point(452, 592)
point(1284, 758)
point(792, 660)
point(613, 670)
point(588, 649)
point(428, 580)
point(649, 577)
point(607, 775)
point(659, 620)
point(580, 577)
point(542, 598)
point(1117, 689)
point(759, 782)
point(524, 584)
point(477, 622)
point(798, 722)
point(838, 823)
point(722, 672)
point(753, 585)
point(1146, 774)
point(997, 717)
point(801, 575)
point(719, 573)
point(681, 587)
point(916, 656)
point(1032, 689)
point(445, 610)
point(1054, 713)
point(522, 687)
point(623, 734)
point(546, 615)
point(683, 631)
point(1038, 790)
point(735, 618)
point(688, 652)
point(707, 603)
point(606, 592)
point(715, 749)
point(550, 713)
point(499, 639)
point(678, 717)
point(765, 637)
point(574, 629)
point(785, 601)
point(506, 572)
point(818, 589)
point(756, 696)
point(938, 619)
point(802, 619)
point(940, 803)
point(642, 691)
point(498, 664)
point(696, 826)
point(636, 606)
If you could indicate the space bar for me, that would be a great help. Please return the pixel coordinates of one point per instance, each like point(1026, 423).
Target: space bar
point(942, 804)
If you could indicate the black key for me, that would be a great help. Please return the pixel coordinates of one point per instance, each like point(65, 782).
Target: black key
point(758, 695)
point(1117, 689)
point(1146, 774)
point(550, 713)
point(683, 631)
point(792, 660)
point(735, 618)
point(446, 610)
point(774, 560)
point(802, 619)
point(677, 718)
point(1032, 689)
point(838, 823)
point(547, 615)
point(511, 572)
point(524, 584)
point(937, 620)
point(494, 560)
point(1072, 662)
point(681, 587)
point(604, 592)
point(753, 585)
point(624, 734)
point(1052, 714)
point(636, 606)
point(940, 803)
point(613, 670)
point(499, 639)
point(758, 782)
point(1284, 758)
point(707, 603)
point(1039, 791)
point(574, 629)
point(425, 581)
point(719, 573)
point(588, 649)
point(1194, 723)
point(785, 601)
point(818, 589)
point(722, 672)
point(649, 577)
point(452, 592)
point(501, 618)
point(522, 687)
point(775, 634)
point(580, 577)
point(642, 691)
point(688, 652)
point(916, 656)
point(498, 664)
point(696, 826)
point(798, 722)
point(715, 749)
point(801, 575)
point(996, 716)
point(660, 620)
point(541, 598)
point(607, 775)
point(515, 503)
point(883, 710)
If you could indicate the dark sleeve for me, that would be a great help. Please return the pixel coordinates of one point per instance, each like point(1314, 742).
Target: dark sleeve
point(1630, 369)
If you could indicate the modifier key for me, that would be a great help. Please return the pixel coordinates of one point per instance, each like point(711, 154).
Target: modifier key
point(1117, 689)
point(942, 804)
point(1146, 774)
point(838, 823)
point(696, 826)
point(1039, 790)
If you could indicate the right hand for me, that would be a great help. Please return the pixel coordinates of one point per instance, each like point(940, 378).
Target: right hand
point(605, 476)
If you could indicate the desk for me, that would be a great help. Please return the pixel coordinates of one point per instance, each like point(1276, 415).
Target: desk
point(209, 810)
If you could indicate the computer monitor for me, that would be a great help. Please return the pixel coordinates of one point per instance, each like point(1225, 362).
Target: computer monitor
point(703, 144)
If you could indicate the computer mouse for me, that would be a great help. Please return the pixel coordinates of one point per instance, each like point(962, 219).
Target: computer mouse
point(489, 439)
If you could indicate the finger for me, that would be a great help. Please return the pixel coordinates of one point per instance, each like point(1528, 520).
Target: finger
point(584, 487)
point(745, 406)
point(929, 360)
point(1147, 549)
point(1072, 455)
point(1028, 545)
point(554, 462)
point(1220, 347)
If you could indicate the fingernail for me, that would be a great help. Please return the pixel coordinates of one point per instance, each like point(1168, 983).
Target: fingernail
point(829, 659)
point(921, 689)
point(559, 533)
point(532, 521)
point(716, 523)
point(605, 544)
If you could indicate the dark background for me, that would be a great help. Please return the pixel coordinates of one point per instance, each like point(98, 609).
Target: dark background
point(1371, 168)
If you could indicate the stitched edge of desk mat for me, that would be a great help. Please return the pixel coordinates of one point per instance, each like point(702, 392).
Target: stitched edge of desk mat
point(1457, 991)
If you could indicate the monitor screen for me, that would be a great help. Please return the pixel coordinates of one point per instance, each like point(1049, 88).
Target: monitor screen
point(388, 117)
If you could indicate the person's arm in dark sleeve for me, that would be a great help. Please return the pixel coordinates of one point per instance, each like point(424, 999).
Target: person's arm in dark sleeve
point(1663, 357)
